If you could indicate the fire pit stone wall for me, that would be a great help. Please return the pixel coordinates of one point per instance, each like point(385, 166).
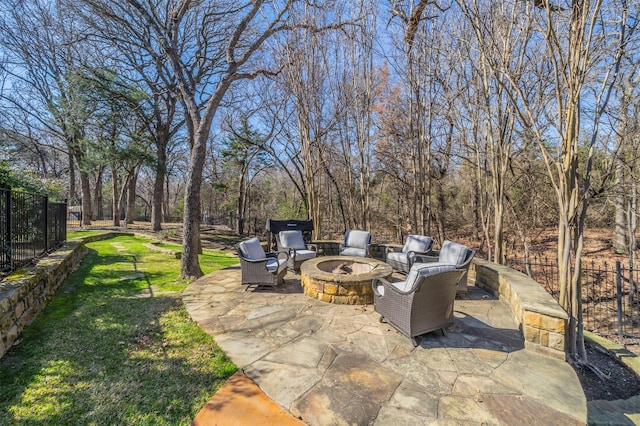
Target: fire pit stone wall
point(333, 283)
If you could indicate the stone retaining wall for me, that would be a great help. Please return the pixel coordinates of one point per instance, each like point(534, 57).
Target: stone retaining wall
point(542, 321)
point(319, 281)
point(25, 292)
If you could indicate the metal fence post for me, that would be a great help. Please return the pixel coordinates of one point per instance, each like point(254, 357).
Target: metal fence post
point(45, 226)
point(9, 226)
point(619, 299)
point(631, 297)
point(64, 214)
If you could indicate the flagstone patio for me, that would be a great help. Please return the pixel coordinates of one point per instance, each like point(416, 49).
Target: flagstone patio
point(337, 364)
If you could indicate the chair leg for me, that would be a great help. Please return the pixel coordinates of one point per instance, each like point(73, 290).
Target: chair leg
point(381, 319)
point(414, 340)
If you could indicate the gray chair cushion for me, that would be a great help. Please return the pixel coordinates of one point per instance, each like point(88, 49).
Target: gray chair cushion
point(428, 269)
point(453, 253)
point(418, 270)
point(251, 249)
point(425, 270)
point(418, 243)
point(350, 251)
point(305, 254)
point(400, 285)
point(398, 256)
point(274, 265)
point(292, 239)
point(357, 239)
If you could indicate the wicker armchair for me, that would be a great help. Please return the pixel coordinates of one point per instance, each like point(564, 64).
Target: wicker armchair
point(260, 268)
point(402, 260)
point(293, 243)
point(451, 254)
point(422, 303)
point(356, 243)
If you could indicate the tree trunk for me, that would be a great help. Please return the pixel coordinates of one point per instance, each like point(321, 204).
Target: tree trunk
point(620, 244)
point(86, 198)
point(115, 202)
point(97, 198)
point(131, 197)
point(633, 225)
point(240, 203)
point(158, 188)
point(482, 190)
point(190, 265)
point(308, 165)
point(166, 210)
point(570, 238)
point(73, 192)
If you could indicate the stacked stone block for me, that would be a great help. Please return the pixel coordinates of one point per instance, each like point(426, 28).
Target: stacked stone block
point(24, 293)
point(356, 293)
point(542, 321)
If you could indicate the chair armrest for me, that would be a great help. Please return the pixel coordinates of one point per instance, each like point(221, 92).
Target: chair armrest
point(391, 249)
point(387, 287)
point(282, 252)
point(413, 256)
point(374, 285)
point(256, 263)
point(293, 252)
point(466, 264)
point(276, 254)
point(425, 258)
point(244, 259)
point(312, 247)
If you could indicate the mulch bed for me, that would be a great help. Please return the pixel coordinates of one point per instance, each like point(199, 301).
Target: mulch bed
point(619, 382)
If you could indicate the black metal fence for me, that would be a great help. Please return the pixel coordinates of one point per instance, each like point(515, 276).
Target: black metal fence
point(610, 294)
point(103, 218)
point(30, 226)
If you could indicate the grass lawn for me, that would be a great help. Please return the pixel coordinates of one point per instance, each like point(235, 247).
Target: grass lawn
point(115, 346)
point(82, 233)
point(169, 246)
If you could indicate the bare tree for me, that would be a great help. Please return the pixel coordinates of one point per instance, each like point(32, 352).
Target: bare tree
point(243, 152)
point(427, 74)
point(307, 79)
point(43, 62)
point(502, 49)
point(574, 44)
point(283, 147)
point(208, 46)
point(131, 48)
point(364, 87)
point(625, 115)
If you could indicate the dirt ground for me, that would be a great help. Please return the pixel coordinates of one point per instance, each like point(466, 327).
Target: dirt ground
point(604, 377)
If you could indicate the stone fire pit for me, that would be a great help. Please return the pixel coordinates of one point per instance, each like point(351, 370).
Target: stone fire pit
point(344, 280)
